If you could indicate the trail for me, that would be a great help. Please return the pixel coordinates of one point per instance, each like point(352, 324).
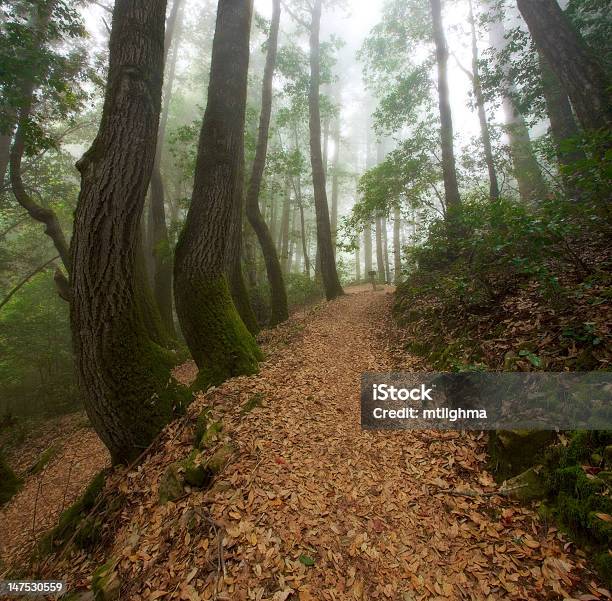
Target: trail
point(308, 486)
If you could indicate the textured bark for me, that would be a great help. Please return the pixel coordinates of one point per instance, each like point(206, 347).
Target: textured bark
point(397, 244)
point(278, 295)
point(219, 341)
point(325, 250)
point(126, 378)
point(526, 168)
point(451, 188)
point(562, 123)
point(582, 76)
point(158, 240)
point(485, 135)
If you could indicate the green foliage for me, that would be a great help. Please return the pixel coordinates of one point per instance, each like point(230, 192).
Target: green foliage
point(9, 482)
point(36, 364)
point(302, 290)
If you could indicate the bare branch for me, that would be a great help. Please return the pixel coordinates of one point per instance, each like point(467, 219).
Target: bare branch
point(25, 280)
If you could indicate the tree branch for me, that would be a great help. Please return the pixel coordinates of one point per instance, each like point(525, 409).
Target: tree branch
point(25, 280)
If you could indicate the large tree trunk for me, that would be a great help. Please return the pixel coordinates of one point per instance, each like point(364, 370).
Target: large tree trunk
point(158, 241)
point(126, 378)
point(562, 123)
point(451, 188)
point(325, 250)
point(220, 343)
point(581, 75)
point(278, 294)
point(485, 135)
point(526, 168)
point(397, 244)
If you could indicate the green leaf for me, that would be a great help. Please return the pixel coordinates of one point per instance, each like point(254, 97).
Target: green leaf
point(307, 560)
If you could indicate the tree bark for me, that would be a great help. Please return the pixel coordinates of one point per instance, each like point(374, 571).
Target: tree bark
point(297, 188)
point(451, 188)
point(159, 242)
point(383, 223)
point(220, 343)
point(331, 282)
point(126, 378)
point(526, 168)
point(367, 248)
point(279, 311)
point(582, 76)
point(335, 183)
point(380, 259)
point(485, 135)
point(283, 238)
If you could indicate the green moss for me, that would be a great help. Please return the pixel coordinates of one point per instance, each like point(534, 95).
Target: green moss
point(211, 435)
point(196, 472)
point(218, 461)
point(9, 482)
point(46, 456)
point(603, 565)
point(219, 341)
point(171, 484)
point(255, 401)
point(201, 426)
point(105, 582)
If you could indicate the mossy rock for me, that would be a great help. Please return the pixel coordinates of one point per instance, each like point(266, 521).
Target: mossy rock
point(105, 582)
point(527, 486)
point(211, 436)
point(171, 484)
point(512, 452)
point(9, 482)
point(46, 456)
point(255, 401)
point(195, 471)
point(219, 460)
point(72, 518)
point(201, 425)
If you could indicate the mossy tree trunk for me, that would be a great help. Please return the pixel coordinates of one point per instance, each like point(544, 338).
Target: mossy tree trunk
point(580, 73)
point(126, 377)
point(218, 340)
point(326, 261)
point(449, 171)
point(278, 294)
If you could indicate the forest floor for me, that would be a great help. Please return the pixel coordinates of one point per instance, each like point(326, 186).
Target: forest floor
point(310, 507)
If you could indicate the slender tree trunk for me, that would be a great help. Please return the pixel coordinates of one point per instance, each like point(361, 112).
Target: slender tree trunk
point(5, 151)
point(220, 343)
point(397, 244)
point(297, 187)
point(581, 75)
point(126, 378)
point(291, 241)
point(367, 248)
point(357, 264)
point(383, 223)
point(284, 230)
point(526, 168)
point(278, 294)
point(451, 188)
point(158, 241)
point(485, 135)
point(562, 123)
point(335, 183)
point(380, 258)
point(331, 282)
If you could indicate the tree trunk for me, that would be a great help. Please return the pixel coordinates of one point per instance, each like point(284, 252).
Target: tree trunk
point(383, 224)
point(562, 123)
point(335, 183)
point(220, 343)
point(5, 151)
point(451, 188)
point(582, 76)
point(357, 263)
point(297, 188)
point(485, 135)
point(380, 259)
point(526, 168)
point(331, 282)
point(126, 378)
point(158, 241)
point(367, 248)
point(397, 244)
point(278, 294)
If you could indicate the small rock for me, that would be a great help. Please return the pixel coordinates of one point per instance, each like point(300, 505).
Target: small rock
point(171, 484)
point(527, 486)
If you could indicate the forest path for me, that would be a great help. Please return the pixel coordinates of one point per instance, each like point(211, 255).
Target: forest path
point(366, 508)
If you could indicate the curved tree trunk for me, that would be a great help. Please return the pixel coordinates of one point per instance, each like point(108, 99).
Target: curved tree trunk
point(325, 250)
point(219, 341)
point(159, 242)
point(278, 294)
point(581, 75)
point(451, 188)
point(126, 378)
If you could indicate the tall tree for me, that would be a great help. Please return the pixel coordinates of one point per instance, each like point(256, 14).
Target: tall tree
point(451, 188)
point(580, 73)
point(158, 229)
point(325, 250)
point(380, 257)
point(278, 294)
point(335, 181)
point(526, 168)
point(126, 378)
point(397, 243)
point(367, 248)
point(220, 343)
